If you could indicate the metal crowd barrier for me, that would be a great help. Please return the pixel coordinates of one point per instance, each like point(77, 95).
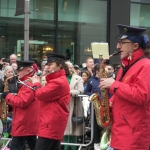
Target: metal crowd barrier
point(8, 140)
point(81, 145)
point(85, 144)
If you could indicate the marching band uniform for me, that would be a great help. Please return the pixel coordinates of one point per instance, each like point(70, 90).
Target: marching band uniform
point(25, 113)
point(131, 92)
point(54, 98)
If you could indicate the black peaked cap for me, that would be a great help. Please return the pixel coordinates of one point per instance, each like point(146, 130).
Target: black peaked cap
point(127, 31)
point(22, 64)
point(55, 56)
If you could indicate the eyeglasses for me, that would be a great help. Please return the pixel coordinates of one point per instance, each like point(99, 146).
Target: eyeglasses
point(121, 43)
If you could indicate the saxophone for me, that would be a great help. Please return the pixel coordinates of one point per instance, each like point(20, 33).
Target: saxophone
point(102, 109)
point(3, 104)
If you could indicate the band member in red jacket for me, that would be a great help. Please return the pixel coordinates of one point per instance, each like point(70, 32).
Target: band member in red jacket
point(54, 99)
point(131, 92)
point(25, 109)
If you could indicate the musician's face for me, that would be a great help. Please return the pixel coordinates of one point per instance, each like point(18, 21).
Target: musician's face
point(23, 72)
point(53, 67)
point(126, 47)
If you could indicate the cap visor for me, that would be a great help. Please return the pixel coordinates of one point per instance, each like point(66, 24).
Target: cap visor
point(121, 37)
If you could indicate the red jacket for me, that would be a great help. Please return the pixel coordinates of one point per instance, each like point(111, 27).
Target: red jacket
point(54, 99)
point(131, 106)
point(25, 112)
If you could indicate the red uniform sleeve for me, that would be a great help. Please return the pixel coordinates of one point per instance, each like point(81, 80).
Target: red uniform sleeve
point(137, 92)
point(51, 91)
point(24, 97)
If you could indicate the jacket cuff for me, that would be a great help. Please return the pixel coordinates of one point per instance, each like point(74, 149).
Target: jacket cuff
point(114, 87)
point(8, 97)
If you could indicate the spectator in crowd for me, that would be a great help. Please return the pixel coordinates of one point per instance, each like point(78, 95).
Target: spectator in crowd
point(89, 64)
point(77, 69)
point(12, 58)
point(131, 92)
point(10, 83)
point(116, 66)
point(106, 138)
point(45, 70)
point(75, 107)
point(54, 98)
point(86, 75)
point(25, 109)
point(14, 65)
point(3, 64)
point(43, 80)
point(93, 87)
point(43, 63)
point(110, 70)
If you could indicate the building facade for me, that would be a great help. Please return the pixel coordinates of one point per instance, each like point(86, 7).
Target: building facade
point(68, 26)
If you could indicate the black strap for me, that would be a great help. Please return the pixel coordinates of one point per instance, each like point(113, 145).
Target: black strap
point(124, 70)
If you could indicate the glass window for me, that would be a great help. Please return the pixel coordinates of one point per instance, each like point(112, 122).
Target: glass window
point(139, 15)
point(141, 1)
point(81, 22)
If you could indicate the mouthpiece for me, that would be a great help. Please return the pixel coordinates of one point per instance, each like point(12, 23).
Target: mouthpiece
point(115, 53)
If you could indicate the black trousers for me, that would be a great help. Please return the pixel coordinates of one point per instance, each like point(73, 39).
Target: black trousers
point(47, 144)
point(18, 142)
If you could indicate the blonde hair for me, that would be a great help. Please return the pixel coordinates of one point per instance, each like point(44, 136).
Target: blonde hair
point(68, 63)
point(6, 69)
point(88, 58)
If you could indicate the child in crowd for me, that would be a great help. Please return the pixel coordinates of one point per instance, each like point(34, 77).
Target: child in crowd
point(105, 140)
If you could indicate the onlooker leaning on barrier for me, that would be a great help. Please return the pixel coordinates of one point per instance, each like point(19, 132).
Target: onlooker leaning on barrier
point(75, 106)
point(86, 75)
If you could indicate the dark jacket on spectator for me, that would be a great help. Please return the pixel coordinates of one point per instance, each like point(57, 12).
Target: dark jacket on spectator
point(92, 86)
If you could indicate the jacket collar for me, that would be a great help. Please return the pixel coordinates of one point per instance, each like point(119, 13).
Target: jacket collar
point(135, 55)
point(55, 75)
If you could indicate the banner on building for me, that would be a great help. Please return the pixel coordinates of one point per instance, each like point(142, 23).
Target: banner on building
point(20, 7)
